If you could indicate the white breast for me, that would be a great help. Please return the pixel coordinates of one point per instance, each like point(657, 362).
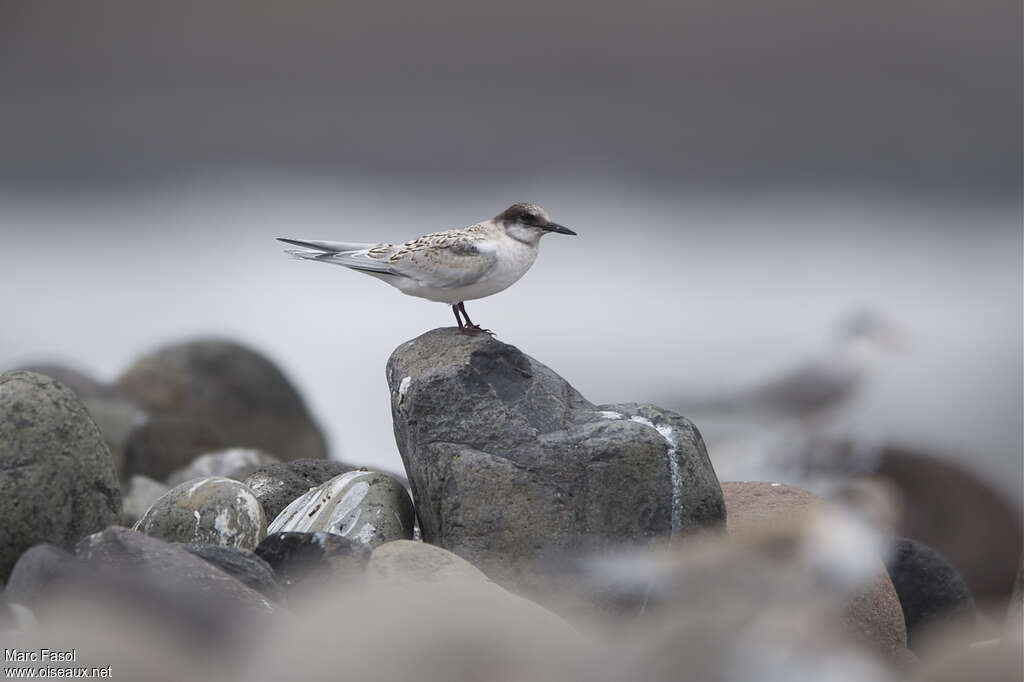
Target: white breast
point(514, 258)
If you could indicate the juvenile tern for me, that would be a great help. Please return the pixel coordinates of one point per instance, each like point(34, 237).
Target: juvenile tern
point(450, 267)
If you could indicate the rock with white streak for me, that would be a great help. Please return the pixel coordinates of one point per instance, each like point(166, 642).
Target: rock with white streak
point(213, 510)
point(512, 469)
point(276, 485)
point(367, 507)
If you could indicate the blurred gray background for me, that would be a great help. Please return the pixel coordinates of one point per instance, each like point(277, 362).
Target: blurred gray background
point(741, 175)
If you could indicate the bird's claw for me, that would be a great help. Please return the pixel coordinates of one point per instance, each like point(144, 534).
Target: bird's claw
point(475, 329)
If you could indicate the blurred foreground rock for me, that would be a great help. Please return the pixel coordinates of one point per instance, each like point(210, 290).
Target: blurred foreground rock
point(454, 625)
point(509, 465)
point(57, 479)
point(871, 613)
point(149, 573)
point(242, 565)
point(944, 506)
point(234, 389)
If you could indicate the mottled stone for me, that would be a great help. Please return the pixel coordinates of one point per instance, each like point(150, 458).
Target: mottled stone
point(364, 506)
point(213, 510)
point(511, 467)
point(300, 557)
point(233, 388)
point(236, 463)
point(57, 479)
point(277, 485)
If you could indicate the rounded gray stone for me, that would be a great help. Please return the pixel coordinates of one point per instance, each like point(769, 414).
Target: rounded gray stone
point(277, 485)
point(57, 479)
point(231, 387)
point(366, 507)
point(213, 510)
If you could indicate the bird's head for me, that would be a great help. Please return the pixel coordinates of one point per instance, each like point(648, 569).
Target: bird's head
point(528, 223)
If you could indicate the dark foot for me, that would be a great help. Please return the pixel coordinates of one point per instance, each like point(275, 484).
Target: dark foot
point(475, 329)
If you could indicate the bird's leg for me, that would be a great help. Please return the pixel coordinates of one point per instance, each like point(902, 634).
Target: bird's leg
point(458, 319)
point(470, 327)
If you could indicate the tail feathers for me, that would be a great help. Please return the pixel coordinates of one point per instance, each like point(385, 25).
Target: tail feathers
point(300, 254)
point(325, 247)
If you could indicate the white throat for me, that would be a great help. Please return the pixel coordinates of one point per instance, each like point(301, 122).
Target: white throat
point(522, 233)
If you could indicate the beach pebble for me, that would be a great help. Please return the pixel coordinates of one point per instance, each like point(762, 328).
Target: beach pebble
point(212, 510)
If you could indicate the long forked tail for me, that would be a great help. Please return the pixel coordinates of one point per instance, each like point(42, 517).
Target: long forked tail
point(325, 247)
point(348, 254)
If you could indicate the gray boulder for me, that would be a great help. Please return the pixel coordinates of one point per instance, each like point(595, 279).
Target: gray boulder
point(510, 465)
point(57, 479)
point(236, 389)
point(367, 507)
point(236, 463)
point(212, 510)
point(277, 485)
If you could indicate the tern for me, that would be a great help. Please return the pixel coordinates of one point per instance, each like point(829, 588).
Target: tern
point(453, 266)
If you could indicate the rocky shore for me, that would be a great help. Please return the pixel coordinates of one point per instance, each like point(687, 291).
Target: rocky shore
point(186, 522)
